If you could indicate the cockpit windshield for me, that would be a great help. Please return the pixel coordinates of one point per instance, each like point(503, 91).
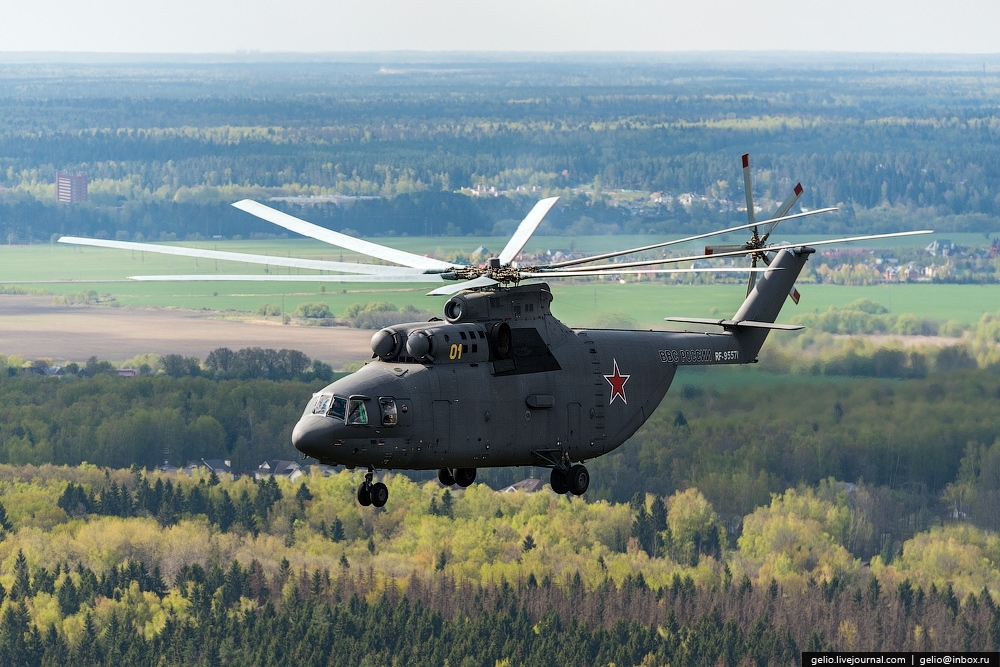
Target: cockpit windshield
point(331, 406)
point(339, 408)
point(321, 403)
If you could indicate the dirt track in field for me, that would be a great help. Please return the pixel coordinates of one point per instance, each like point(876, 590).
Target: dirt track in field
point(35, 328)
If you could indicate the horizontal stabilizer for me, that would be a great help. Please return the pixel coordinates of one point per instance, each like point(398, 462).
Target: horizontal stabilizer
point(768, 325)
point(733, 323)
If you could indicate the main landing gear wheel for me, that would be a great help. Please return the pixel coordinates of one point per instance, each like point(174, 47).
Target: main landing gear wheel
point(445, 477)
point(578, 480)
point(464, 476)
point(558, 481)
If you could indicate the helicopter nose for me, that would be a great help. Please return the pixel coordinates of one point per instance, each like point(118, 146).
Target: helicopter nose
point(313, 434)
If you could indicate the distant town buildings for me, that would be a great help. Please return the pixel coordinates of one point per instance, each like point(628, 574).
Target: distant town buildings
point(279, 468)
point(71, 188)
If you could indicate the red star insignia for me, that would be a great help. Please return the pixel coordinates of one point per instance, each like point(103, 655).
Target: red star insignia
point(617, 382)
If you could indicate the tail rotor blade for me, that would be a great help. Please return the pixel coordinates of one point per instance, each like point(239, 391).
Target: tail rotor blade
point(785, 207)
point(752, 279)
point(748, 189)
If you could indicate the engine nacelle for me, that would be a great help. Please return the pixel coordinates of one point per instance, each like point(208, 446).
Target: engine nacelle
point(440, 342)
point(388, 343)
point(449, 343)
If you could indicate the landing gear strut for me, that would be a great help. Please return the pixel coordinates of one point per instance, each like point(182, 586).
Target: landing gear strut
point(575, 480)
point(376, 494)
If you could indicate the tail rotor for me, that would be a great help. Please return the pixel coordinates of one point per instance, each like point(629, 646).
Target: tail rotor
point(756, 247)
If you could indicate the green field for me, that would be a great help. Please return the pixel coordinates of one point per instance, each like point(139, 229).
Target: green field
point(67, 270)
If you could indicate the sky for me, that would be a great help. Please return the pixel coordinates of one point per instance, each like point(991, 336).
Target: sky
point(309, 26)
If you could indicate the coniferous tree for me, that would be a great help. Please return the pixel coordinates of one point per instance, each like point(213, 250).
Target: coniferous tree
point(67, 596)
point(446, 504)
point(195, 500)
point(337, 531)
point(43, 582)
point(302, 495)
point(5, 525)
point(22, 579)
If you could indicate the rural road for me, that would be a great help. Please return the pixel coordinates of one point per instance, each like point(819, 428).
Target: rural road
point(35, 328)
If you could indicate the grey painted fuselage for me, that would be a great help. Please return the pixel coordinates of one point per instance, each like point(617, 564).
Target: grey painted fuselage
point(463, 393)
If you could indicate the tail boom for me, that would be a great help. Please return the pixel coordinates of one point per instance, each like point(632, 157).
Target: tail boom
point(747, 330)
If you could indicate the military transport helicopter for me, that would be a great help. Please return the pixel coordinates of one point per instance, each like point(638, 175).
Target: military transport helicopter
point(500, 381)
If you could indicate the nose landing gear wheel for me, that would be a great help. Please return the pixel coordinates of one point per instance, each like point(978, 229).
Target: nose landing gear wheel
point(445, 477)
point(364, 495)
point(376, 494)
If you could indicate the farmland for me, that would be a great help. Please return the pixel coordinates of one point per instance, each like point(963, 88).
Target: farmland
point(63, 270)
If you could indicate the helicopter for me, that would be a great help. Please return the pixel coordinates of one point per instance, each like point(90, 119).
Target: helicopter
point(499, 381)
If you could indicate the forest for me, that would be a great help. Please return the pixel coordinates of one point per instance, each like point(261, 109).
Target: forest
point(102, 566)
point(918, 426)
point(167, 147)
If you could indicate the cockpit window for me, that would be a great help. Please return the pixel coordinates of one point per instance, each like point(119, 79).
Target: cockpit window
point(321, 404)
point(357, 414)
point(339, 408)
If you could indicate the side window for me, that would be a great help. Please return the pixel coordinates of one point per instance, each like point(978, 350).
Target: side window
point(388, 407)
point(339, 408)
point(356, 412)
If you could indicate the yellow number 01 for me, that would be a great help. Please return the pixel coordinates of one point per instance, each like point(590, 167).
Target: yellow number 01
point(455, 352)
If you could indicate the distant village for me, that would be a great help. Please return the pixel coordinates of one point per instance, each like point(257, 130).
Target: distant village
point(939, 261)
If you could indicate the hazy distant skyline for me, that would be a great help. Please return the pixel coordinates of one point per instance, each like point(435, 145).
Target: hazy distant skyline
point(216, 26)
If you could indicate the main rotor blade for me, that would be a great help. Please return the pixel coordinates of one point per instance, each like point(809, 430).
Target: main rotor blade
point(525, 230)
point(297, 278)
point(292, 262)
point(619, 253)
point(376, 250)
point(770, 248)
point(584, 273)
point(447, 290)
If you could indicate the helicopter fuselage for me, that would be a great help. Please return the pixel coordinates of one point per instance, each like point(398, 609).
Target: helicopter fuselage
point(501, 383)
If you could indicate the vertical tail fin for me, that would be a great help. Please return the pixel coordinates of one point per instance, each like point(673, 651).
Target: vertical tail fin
point(764, 302)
